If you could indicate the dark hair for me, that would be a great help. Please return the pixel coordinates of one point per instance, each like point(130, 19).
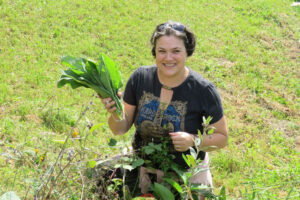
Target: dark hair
point(177, 29)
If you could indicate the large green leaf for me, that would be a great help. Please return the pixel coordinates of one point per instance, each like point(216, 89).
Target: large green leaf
point(66, 80)
point(90, 72)
point(163, 192)
point(80, 79)
point(174, 184)
point(104, 75)
point(77, 69)
point(138, 163)
point(91, 68)
point(179, 172)
point(111, 79)
point(73, 63)
point(84, 82)
point(186, 160)
point(115, 76)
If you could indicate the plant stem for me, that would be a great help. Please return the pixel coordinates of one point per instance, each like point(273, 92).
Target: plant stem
point(82, 191)
point(36, 196)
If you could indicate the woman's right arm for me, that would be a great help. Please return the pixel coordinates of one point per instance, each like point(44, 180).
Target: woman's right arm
point(117, 126)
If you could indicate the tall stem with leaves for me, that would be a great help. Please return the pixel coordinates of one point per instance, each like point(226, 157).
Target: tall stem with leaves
point(44, 185)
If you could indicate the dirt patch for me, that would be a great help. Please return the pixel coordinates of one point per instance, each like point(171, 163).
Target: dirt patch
point(6, 109)
point(2, 109)
point(297, 143)
point(236, 98)
point(47, 133)
point(271, 105)
point(33, 118)
point(292, 43)
point(238, 103)
point(267, 41)
point(294, 50)
point(225, 62)
point(288, 128)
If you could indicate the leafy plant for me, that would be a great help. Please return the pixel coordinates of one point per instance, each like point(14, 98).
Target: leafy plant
point(162, 192)
point(158, 155)
point(184, 187)
point(104, 78)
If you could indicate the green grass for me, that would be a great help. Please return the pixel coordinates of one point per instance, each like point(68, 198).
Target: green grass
point(249, 49)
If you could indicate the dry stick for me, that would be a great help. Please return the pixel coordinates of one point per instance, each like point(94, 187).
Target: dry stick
point(29, 187)
point(84, 143)
point(60, 172)
point(62, 194)
point(82, 191)
point(45, 185)
point(62, 150)
point(63, 188)
point(15, 179)
point(62, 169)
point(47, 102)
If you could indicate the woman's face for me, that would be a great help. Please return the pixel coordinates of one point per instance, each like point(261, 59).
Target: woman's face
point(171, 56)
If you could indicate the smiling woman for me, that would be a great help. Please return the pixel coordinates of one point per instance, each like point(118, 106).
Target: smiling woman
point(167, 101)
point(170, 60)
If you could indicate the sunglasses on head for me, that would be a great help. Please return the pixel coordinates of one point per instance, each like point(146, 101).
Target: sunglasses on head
point(177, 27)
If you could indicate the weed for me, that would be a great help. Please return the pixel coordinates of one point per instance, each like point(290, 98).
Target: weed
point(57, 120)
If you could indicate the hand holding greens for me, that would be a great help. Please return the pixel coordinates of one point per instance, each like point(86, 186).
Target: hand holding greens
point(104, 78)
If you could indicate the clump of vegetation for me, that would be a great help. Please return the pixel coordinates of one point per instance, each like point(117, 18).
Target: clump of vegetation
point(104, 78)
point(158, 155)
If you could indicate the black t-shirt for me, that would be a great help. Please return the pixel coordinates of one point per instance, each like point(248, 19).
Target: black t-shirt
point(194, 98)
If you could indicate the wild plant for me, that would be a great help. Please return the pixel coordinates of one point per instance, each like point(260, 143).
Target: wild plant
point(184, 187)
point(158, 155)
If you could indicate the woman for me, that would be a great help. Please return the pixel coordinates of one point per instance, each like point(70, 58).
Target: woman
point(170, 99)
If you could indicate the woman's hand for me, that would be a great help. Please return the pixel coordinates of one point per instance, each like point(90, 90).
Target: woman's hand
point(119, 126)
point(109, 104)
point(182, 141)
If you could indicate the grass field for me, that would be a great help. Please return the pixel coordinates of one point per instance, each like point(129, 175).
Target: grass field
point(249, 49)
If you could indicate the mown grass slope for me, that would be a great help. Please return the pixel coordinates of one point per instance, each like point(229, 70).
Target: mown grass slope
point(249, 49)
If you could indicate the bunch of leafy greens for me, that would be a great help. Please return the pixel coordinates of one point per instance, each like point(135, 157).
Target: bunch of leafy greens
point(104, 78)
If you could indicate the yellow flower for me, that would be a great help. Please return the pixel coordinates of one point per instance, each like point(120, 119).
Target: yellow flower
point(36, 150)
point(75, 134)
point(42, 158)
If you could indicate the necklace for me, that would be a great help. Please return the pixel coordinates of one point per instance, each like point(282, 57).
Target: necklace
point(166, 87)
